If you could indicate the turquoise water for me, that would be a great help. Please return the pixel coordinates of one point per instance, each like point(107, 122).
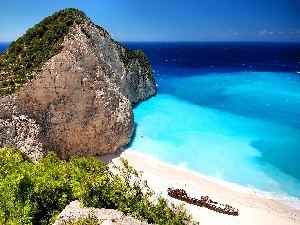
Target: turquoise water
point(240, 127)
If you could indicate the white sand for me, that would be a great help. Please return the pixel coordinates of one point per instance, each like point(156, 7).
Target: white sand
point(253, 210)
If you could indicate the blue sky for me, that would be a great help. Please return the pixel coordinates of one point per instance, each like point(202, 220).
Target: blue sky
point(162, 20)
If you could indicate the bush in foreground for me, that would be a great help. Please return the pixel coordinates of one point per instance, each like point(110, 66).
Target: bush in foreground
point(35, 193)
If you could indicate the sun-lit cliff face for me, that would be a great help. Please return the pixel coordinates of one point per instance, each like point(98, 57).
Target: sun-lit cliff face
point(79, 102)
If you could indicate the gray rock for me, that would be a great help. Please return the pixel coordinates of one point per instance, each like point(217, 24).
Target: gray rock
point(73, 212)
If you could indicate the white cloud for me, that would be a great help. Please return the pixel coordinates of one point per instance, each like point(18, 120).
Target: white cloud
point(229, 34)
point(11, 36)
point(5, 35)
point(294, 31)
point(265, 32)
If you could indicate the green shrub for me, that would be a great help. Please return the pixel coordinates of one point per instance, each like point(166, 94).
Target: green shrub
point(35, 193)
point(32, 193)
point(131, 56)
point(27, 54)
point(89, 220)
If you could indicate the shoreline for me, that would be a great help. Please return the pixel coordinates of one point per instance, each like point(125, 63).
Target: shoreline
point(253, 209)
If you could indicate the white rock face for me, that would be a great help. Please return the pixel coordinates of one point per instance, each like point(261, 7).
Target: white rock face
point(81, 102)
point(73, 212)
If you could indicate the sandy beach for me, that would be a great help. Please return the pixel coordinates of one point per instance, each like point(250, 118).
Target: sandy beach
point(252, 209)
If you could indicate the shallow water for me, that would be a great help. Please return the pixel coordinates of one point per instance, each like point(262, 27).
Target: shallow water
point(238, 126)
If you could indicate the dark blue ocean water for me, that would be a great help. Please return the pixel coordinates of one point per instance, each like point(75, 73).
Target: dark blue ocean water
point(230, 111)
point(3, 46)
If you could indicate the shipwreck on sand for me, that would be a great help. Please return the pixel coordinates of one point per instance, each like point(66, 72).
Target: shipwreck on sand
point(205, 201)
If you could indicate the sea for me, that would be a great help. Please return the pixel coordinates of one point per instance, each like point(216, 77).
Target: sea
point(228, 111)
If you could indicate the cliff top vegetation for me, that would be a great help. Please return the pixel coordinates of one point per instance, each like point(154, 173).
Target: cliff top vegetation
point(25, 56)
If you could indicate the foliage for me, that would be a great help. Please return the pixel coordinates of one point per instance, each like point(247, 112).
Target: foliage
point(34, 193)
point(144, 62)
point(89, 220)
point(25, 56)
point(129, 57)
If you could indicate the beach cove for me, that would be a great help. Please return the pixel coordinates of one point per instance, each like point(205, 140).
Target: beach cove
point(230, 112)
point(252, 209)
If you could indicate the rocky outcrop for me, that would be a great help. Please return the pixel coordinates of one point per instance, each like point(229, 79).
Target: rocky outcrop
point(80, 103)
point(73, 212)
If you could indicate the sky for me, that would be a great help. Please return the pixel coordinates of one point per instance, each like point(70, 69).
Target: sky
point(166, 20)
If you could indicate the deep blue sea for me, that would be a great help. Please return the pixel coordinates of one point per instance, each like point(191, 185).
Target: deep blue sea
point(229, 111)
point(3, 46)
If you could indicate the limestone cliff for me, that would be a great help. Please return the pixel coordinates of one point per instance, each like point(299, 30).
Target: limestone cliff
point(80, 101)
point(73, 213)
